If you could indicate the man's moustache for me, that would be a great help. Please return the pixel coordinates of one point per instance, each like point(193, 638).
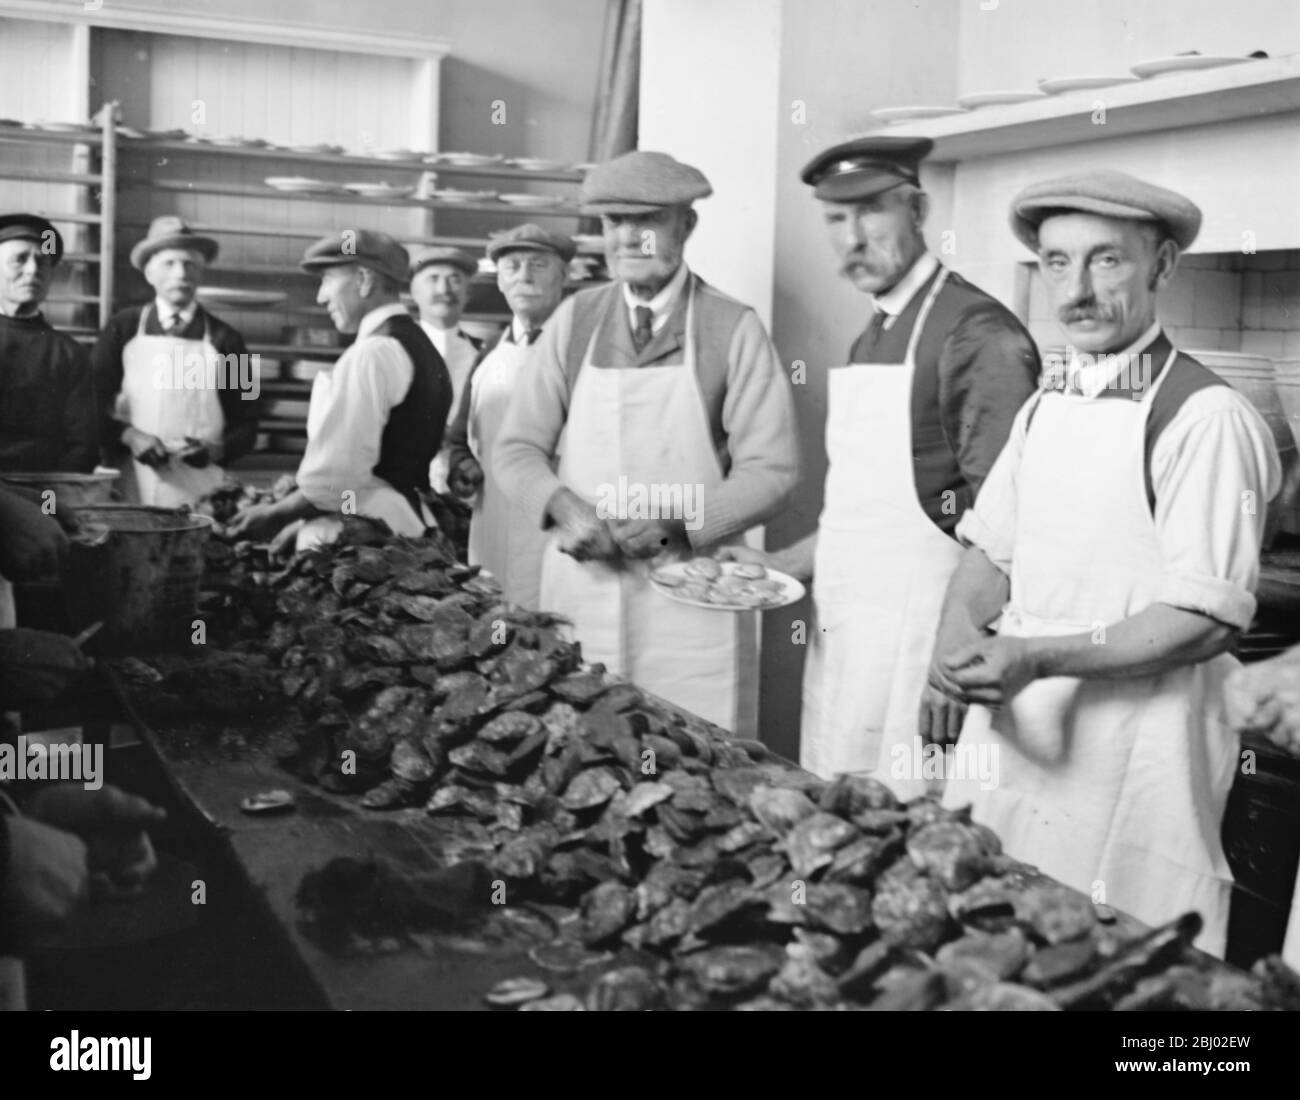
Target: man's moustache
point(1085, 313)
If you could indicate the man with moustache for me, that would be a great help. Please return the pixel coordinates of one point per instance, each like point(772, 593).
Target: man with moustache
point(914, 422)
point(47, 395)
point(531, 267)
point(440, 286)
point(178, 437)
point(1116, 544)
point(655, 381)
point(377, 414)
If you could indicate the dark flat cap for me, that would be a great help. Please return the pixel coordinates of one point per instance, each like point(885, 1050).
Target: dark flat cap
point(454, 257)
point(866, 166)
point(640, 182)
point(32, 227)
point(1110, 194)
point(169, 231)
point(530, 238)
point(367, 247)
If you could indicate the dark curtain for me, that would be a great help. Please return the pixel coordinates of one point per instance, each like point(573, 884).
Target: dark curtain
point(614, 127)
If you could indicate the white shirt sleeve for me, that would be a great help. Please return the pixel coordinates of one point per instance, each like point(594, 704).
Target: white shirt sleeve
point(990, 523)
point(1214, 469)
point(348, 421)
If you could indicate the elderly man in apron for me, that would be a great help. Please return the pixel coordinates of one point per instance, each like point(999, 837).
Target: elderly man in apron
point(654, 384)
point(915, 420)
point(177, 388)
point(1116, 544)
point(376, 416)
point(440, 286)
point(531, 267)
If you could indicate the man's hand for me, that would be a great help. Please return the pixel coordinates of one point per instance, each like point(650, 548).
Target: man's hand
point(991, 671)
point(46, 879)
point(286, 541)
point(583, 534)
point(466, 479)
point(648, 538)
point(145, 448)
point(746, 554)
point(37, 666)
point(941, 717)
point(111, 822)
point(257, 521)
point(32, 545)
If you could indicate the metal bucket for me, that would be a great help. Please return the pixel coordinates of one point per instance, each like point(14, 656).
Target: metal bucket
point(137, 570)
point(70, 490)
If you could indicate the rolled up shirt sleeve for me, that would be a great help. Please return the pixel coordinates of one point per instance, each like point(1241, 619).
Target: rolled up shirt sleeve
point(525, 453)
point(1214, 469)
point(350, 409)
point(990, 524)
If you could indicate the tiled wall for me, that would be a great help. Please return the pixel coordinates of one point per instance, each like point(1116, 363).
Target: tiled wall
point(1224, 301)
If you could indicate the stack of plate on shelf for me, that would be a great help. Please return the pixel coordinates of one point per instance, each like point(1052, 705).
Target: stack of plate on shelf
point(236, 298)
point(379, 190)
point(452, 194)
point(317, 149)
point(530, 201)
point(302, 185)
point(396, 154)
point(470, 160)
point(538, 164)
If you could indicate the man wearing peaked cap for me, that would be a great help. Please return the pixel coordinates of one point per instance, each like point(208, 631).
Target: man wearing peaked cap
point(531, 267)
point(679, 436)
point(440, 286)
point(377, 417)
point(1116, 544)
point(915, 418)
point(172, 440)
point(47, 399)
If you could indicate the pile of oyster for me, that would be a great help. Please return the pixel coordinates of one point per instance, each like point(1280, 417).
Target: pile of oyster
point(696, 871)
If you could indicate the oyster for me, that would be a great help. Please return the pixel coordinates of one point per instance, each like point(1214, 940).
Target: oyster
point(954, 854)
point(802, 981)
point(1055, 912)
point(910, 909)
point(606, 911)
point(838, 907)
point(516, 991)
point(779, 808)
point(812, 843)
point(561, 1002)
point(734, 970)
point(721, 902)
point(593, 787)
point(627, 989)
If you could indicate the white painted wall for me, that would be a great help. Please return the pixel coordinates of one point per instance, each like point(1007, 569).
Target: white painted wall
point(709, 97)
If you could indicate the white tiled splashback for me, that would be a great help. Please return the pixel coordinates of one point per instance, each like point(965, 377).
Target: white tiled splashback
point(1225, 301)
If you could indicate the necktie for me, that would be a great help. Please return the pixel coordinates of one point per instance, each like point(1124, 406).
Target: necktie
point(644, 331)
point(172, 325)
point(874, 328)
point(531, 337)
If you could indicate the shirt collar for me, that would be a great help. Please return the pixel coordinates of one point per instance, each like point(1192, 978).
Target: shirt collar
point(662, 303)
point(165, 311)
point(1093, 375)
point(895, 299)
point(377, 317)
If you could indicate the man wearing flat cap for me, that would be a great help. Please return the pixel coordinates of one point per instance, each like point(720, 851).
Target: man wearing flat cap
point(440, 286)
point(376, 417)
point(173, 380)
point(1116, 544)
point(653, 420)
point(915, 419)
point(47, 395)
point(531, 266)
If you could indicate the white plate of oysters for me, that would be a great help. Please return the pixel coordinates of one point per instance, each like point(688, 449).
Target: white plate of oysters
point(726, 585)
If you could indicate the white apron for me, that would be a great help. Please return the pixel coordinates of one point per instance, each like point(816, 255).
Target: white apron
point(879, 576)
point(378, 499)
point(1114, 787)
point(501, 538)
point(172, 413)
point(650, 426)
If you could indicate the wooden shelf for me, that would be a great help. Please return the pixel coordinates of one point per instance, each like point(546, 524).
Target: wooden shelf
point(290, 351)
point(51, 177)
point(343, 160)
point(60, 217)
point(24, 136)
point(1202, 97)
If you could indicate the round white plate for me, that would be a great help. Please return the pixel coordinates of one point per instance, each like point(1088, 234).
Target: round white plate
point(66, 127)
point(531, 200)
point(793, 589)
point(1159, 66)
point(993, 99)
point(910, 114)
point(471, 160)
point(245, 299)
point(450, 194)
point(166, 135)
point(318, 149)
point(397, 154)
point(538, 164)
point(1058, 84)
point(129, 132)
point(301, 185)
point(378, 190)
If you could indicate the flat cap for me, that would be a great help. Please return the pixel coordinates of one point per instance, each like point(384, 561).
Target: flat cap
point(169, 231)
point(640, 182)
point(455, 257)
point(367, 247)
point(1110, 194)
point(32, 227)
point(864, 167)
point(530, 238)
